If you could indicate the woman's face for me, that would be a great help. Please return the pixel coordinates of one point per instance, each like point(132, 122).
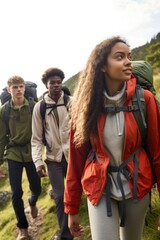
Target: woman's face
point(118, 64)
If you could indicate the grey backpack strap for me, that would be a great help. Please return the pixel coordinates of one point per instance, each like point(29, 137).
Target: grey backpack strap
point(140, 115)
point(43, 113)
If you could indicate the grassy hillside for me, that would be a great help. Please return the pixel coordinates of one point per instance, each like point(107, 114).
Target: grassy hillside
point(71, 82)
point(149, 52)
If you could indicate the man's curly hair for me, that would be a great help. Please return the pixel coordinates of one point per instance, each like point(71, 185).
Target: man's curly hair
point(50, 72)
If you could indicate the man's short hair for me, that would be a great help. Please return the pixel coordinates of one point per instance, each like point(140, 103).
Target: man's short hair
point(15, 80)
point(50, 72)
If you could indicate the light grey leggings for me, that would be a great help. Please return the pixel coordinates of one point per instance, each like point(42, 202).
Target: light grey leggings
point(107, 228)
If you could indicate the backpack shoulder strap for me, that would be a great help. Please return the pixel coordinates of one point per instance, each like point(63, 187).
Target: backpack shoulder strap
point(140, 115)
point(43, 113)
point(6, 111)
point(138, 108)
point(42, 109)
point(66, 99)
point(43, 106)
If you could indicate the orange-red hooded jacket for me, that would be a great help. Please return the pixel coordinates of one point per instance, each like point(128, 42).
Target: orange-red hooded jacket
point(90, 177)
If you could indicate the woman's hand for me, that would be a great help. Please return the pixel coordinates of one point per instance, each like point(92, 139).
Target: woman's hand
point(73, 224)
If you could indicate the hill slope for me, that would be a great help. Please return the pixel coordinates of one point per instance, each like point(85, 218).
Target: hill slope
point(149, 52)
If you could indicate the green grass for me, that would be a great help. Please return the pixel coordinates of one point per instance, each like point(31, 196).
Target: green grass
point(50, 224)
point(157, 85)
point(150, 231)
point(46, 204)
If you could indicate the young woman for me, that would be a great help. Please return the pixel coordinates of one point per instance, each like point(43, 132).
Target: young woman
point(107, 160)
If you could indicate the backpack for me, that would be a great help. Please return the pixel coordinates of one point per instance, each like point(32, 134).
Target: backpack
point(143, 72)
point(44, 106)
point(30, 94)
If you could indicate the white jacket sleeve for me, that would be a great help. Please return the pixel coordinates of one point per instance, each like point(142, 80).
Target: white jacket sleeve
point(36, 140)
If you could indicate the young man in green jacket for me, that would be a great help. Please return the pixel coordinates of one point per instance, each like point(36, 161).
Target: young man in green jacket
point(15, 147)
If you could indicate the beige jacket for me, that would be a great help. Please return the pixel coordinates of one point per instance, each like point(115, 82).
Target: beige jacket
point(57, 136)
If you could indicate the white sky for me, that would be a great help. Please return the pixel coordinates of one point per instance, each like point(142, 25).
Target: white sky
point(38, 34)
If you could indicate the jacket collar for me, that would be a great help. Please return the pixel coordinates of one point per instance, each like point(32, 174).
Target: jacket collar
point(49, 100)
point(130, 88)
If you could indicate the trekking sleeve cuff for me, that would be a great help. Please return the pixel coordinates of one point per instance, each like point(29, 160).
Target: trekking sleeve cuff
point(38, 163)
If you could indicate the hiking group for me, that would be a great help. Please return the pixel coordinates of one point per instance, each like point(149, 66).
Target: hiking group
point(21, 139)
point(103, 141)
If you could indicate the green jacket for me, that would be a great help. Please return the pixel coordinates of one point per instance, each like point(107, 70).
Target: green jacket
point(18, 146)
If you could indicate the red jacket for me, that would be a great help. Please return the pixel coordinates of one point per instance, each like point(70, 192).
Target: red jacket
point(90, 176)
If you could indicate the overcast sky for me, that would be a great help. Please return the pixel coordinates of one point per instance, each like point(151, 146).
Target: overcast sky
point(38, 34)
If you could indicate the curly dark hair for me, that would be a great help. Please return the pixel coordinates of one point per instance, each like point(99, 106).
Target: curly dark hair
point(87, 102)
point(50, 72)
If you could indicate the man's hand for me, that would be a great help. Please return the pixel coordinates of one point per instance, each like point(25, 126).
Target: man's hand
point(2, 175)
point(41, 171)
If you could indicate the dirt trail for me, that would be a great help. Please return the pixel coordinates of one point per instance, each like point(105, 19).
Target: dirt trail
point(35, 225)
